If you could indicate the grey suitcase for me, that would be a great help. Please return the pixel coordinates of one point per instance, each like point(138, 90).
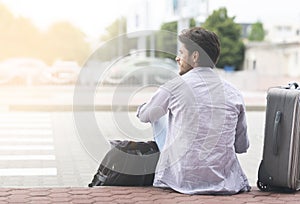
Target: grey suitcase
point(279, 168)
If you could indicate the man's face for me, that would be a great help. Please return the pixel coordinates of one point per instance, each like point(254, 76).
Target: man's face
point(184, 60)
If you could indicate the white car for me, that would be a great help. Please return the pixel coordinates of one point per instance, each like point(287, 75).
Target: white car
point(136, 70)
point(62, 72)
point(20, 71)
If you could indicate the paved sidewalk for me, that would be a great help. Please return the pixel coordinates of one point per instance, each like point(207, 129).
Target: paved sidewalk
point(141, 195)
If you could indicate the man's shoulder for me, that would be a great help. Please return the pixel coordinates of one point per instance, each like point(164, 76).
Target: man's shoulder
point(231, 89)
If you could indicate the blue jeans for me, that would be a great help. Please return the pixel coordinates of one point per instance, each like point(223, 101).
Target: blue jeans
point(160, 131)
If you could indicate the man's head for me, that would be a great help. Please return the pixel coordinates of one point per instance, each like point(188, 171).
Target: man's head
point(199, 48)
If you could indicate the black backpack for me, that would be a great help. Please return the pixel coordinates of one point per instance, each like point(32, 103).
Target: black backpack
point(128, 163)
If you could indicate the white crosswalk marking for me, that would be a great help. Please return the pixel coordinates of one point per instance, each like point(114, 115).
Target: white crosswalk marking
point(28, 172)
point(26, 157)
point(26, 145)
point(27, 139)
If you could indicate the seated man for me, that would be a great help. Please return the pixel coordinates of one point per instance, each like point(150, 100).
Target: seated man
point(205, 123)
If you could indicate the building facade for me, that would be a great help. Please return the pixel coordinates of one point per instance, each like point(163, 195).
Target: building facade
point(273, 59)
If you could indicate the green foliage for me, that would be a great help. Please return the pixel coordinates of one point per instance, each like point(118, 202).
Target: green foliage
point(65, 40)
point(232, 46)
point(115, 43)
point(257, 32)
point(19, 37)
point(118, 27)
point(171, 26)
point(164, 40)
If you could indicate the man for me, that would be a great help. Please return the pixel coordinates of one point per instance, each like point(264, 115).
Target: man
point(206, 124)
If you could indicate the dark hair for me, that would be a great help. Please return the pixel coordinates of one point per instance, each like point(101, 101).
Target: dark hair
point(205, 42)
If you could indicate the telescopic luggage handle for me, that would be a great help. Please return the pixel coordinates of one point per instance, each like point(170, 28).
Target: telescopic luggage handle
point(293, 85)
point(275, 132)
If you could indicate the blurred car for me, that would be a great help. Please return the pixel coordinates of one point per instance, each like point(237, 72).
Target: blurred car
point(91, 72)
point(137, 70)
point(62, 72)
point(20, 71)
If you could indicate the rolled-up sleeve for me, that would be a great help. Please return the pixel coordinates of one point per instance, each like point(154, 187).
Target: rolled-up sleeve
point(155, 108)
point(241, 143)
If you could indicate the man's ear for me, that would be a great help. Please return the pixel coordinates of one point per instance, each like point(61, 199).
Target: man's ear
point(196, 56)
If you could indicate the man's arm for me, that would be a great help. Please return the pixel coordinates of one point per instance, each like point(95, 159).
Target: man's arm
point(155, 108)
point(241, 143)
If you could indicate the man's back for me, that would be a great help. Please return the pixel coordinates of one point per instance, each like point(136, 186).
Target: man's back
point(199, 155)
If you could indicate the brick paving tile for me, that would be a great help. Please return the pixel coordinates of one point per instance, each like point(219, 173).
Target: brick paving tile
point(78, 192)
point(134, 194)
point(59, 195)
point(81, 197)
point(138, 199)
point(38, 189)
point(137, 195)
point(99, 194)
point(59, 190)
point(115, 196)
point(252, 202)
point(219, 201)
point(39, 193)
point(19, 192)
point(272, 202)
point(40, 202)
point(159, 197)
point(123, 201)
point(288, 198)
point(144, 202)
point(165, 201)
point(62, 202)
point(103, 189)
point(80, 201)
point(60, 199)
point(187, 198)
point(196, 202)
point(104, 199)
point(4, 194)
point(249, 199)
point(16, 200)
point(293, 202)
point(40, 198)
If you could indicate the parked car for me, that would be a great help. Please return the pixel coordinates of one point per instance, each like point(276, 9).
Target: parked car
point(91, 72)
point(136, 70)
point(62, 72)
point(20, 71)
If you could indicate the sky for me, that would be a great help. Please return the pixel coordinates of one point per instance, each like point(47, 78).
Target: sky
point(266, 11)
point(93, 16)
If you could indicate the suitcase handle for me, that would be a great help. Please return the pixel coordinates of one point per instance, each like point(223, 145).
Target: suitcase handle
point(293, 85)
point(275, 132)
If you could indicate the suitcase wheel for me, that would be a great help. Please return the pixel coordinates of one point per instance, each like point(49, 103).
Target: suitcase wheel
point(262, 186)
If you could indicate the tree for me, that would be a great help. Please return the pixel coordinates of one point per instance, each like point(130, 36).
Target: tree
point(164, 40)
point(232, 46)
point(65, 42)
point(18, 36)
point(257, 32)
point(118, 27)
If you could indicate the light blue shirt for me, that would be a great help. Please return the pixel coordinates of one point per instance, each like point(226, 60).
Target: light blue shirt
point(206, 127)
